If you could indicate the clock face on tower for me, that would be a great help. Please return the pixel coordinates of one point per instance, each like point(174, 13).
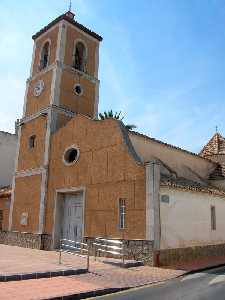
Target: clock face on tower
point(38, 88)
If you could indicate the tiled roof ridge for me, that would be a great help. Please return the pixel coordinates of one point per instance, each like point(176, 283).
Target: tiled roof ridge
point(71, 21)
point(5, 191)
point(171, 146)
point(186, 184)
point(6, 132)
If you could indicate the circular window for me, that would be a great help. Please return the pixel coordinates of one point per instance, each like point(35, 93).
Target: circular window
point(78, 90)
point(71, 155)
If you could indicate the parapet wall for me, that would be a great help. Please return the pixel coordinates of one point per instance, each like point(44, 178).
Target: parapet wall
point(168, 257)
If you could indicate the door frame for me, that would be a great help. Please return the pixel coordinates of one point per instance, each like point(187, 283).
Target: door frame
point(58, 206)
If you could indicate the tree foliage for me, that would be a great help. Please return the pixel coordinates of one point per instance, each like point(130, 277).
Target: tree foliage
point(115, 115)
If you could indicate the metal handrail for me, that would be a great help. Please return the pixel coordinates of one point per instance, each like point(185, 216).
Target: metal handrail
point(73, 249)
point(105, 246)
point(111, 241)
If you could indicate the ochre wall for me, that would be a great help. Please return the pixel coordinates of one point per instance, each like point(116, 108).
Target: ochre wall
point(83, 104)
point(27, 200)
point(106, 170)
point(4, 206)
point(32, 158)
point(52, 35)
point(35, 104)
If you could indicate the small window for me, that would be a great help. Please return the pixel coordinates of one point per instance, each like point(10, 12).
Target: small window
point(71, 155)
point(79, 57)
point(213, 217)
point(32, 141)
point(44, 56)
point(122, 213)
point(165, 199)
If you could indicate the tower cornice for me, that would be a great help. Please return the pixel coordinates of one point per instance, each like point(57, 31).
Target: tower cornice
point(70, 20)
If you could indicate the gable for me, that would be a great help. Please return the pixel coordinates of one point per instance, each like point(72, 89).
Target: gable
point(180, 162)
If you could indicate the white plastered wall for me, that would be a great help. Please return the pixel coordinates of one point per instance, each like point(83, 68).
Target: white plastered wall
point(186, 219)
point(8, 144)
point(184, 164)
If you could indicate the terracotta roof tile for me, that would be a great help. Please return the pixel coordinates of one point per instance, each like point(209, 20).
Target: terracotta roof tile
point(68, 18)
point(5, 191)
point(189, 185)
point(216, 145)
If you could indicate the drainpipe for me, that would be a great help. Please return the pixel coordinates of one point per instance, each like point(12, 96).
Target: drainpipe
point(153, 226)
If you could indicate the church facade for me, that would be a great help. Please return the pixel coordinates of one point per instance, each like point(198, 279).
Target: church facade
point(79, 177)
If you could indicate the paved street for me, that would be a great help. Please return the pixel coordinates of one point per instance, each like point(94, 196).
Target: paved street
point(199, 286)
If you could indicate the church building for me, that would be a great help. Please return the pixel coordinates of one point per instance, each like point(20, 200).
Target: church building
point(78, 177)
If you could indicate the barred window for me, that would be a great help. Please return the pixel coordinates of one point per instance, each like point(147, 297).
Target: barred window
point(213, 217)
point(122, 213)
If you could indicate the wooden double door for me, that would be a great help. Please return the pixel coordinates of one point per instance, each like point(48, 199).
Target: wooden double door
point(73, 217)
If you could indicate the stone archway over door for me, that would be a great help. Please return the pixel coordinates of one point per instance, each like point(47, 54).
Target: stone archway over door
point(73, 217)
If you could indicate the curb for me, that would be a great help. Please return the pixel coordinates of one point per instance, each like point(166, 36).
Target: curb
point(89, 294)
point(205, 269)
point(38, 275)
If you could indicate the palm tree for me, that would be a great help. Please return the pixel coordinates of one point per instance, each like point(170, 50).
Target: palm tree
point(110, 114)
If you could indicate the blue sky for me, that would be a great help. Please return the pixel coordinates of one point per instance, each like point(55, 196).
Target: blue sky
point(162, 62)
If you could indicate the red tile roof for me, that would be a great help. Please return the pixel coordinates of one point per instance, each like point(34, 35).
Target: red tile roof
point(68, 16)
point(5, 192)
point(216, 145)
point(186, 184)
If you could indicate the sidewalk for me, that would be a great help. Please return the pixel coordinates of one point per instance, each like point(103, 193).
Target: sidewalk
point(103, 281)
point(103, 277)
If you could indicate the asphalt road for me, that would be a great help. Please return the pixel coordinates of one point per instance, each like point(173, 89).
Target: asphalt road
point(199, 286)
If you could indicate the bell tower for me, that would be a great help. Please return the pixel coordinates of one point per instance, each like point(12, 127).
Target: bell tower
point(63, 82)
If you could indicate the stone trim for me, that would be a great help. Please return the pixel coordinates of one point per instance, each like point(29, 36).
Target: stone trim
point(45, 111)
point(153, 226)
point(14, 180)
point(44, 178)
point(30, 172)
point(33, 59)
point(75, 71)
point(25, 99)
point(96, 100)
point(42, 72)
